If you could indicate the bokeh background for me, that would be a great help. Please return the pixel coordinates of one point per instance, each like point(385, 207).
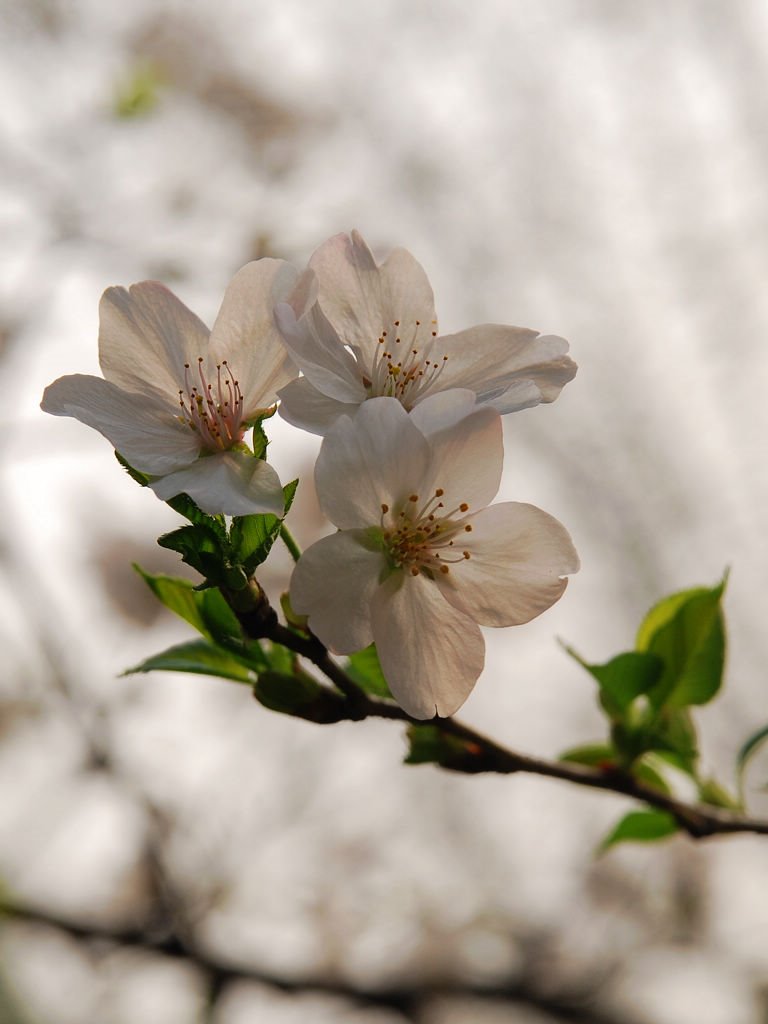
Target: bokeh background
point(592, 168)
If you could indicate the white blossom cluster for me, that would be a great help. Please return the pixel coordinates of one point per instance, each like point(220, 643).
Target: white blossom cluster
point(410, 461)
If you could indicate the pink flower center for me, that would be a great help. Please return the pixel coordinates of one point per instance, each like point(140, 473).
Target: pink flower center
point(400, 368)
point(214, 410)
point(424, 539)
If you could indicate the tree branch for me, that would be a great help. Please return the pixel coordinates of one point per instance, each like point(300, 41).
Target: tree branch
point(576, 1006)
point(477, 753)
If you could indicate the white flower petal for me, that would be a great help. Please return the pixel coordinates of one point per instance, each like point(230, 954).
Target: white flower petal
point(334, 582)
point(376, 457)
point(436, 412)
point(361, 299)
point(518, 555)
point(431, 652)
point(467, 459)
point(246, 335)
point(146, 335)
point(145, 433)
point(495, 360)
point(315, 347)
point(231, 483)
point(304, 406)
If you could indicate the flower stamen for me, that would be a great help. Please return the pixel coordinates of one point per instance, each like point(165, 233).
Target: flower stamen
point(422, 538)
point(407, 377)
point(216, 417)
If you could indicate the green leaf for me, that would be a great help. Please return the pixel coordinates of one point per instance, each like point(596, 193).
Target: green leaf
point(594, 755)
point(623, 679)
point(220, 621)
point(206, 610)
point(286, 693)
point(646, 770)
point(178, 595)
point(279, 658)
point(141, 478)
point(641, 826)
point(428, 744)
point(252, 537)
point(260, 441)
point(748, 749)
point(672, 732)
point(713, 793)
point(301, 696)
point(200, 657)
point(186, 507)
point(200, 547)
point(364, 669)
point(687, 631)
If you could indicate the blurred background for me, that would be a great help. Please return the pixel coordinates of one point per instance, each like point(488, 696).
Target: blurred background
point(173, 853)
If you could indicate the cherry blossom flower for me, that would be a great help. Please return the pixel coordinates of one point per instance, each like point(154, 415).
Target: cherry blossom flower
point(358, 331)
point(176, 399)
point(418, 560)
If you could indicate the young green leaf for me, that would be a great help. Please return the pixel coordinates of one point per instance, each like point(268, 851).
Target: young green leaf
point(623, 679)
point(748, 749)
point(279, 658)
point(178, 595)
point(200, 547)
point(687, 631)
point(713, 793)
point(641, 826)
point(301, 696)
point(430, 745)
point(220, 621)
point(260, 441)
point(672, 732)
point(364, 669)
point(252, 537)
point(199, 657)
point(186, 507)
point(594, 755)
point(206, 610)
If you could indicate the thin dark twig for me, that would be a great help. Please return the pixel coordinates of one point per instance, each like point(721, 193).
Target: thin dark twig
point(479, 753)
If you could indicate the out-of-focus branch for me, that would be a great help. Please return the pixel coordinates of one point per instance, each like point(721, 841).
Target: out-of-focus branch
point(572, 1006)
point(478, 753)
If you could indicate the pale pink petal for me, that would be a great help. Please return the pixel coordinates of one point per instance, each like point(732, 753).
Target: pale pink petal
point(304, 406)
point(362, 300)
point(441, 410)
point(230, 483)
point(374, 458)
point(333, 583)
point(246, 336)
point(146, 433)
point(146, 335)
point(518, 555)
point(431, 652)
point(315, 348)
point(466, 461)
point(510, 367)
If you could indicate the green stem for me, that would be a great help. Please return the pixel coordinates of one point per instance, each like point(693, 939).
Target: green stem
point(288, 539)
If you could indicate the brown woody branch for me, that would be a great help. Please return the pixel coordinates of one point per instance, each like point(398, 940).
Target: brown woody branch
point(476, 753)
